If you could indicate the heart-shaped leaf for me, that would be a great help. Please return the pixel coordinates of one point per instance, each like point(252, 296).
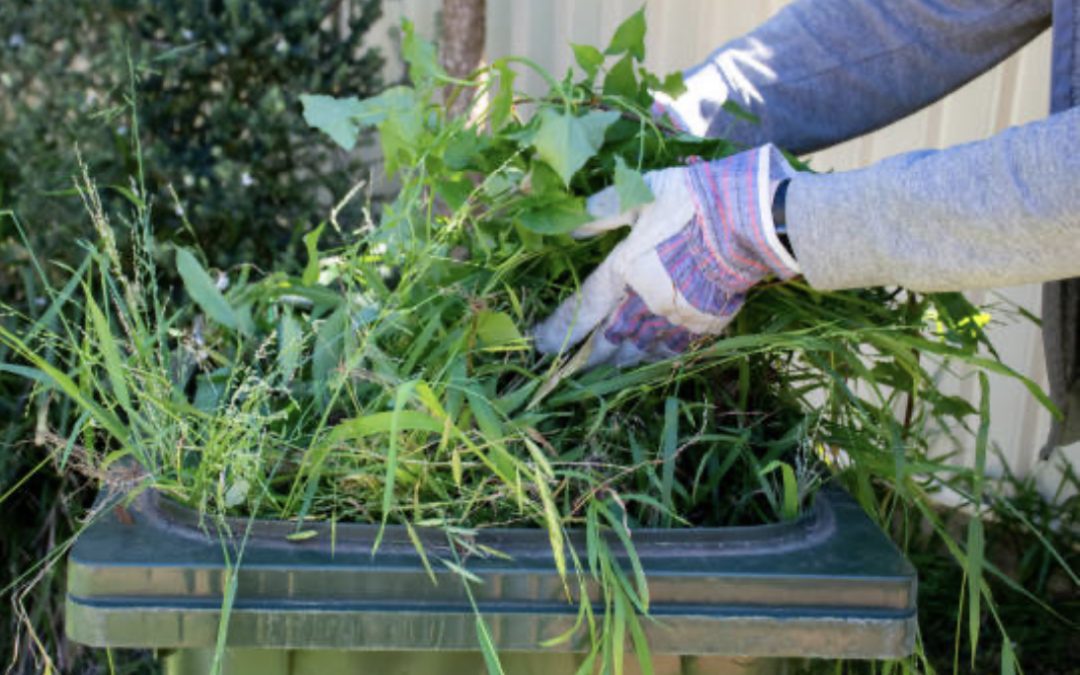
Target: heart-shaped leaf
point(566, 142)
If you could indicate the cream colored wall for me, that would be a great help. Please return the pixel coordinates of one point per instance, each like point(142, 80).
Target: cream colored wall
point(682, 32)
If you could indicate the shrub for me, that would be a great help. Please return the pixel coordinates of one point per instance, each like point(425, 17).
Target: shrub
point(216, 85)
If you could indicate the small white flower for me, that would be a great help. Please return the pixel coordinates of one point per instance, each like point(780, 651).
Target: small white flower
point(222, 281)
point(122, 130)
point(222, 49)
point(189, 180)
point(246, 180)
point(282, 46)
point(179, 211)
point(17, 40)
point(187, 34)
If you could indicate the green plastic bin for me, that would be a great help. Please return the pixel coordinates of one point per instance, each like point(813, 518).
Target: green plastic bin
point(723, 600)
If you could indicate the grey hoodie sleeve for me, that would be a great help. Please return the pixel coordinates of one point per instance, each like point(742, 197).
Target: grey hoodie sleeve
point(997, 212)
point(823, 71)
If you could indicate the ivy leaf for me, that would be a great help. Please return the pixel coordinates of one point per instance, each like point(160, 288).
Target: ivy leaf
point(555, 216)
point(589, 58)
point(630, 186)
point(566, 142)
point(630, 36)
point(420, 54)
point(336, 117)
point(543, 180)
point(672, 84)
point(620, 80)
point(343, 118)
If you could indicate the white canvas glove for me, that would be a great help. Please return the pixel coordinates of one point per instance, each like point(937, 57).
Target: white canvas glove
point(685, 267)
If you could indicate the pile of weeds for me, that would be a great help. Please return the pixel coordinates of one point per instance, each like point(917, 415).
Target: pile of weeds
point(392, 380)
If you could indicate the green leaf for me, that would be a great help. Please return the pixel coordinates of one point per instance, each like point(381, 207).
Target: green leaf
point(589, 58)
point(976, 540)
point(556, 217)
point(630, 36)
point(566, 142)
point(110, 353)
point(487, 648)
point(673, 85)
point(1008, 657)
point(502, 103)
point(330, 345)
point(311, 244)
point(669, 446)
point(976, 544)
point(335, 117)
point(290, 345)
point(204, 292)
point(419, 546)
point(544, 181)
point(630, 185)
point(420, 54)
point(496, 328)
point(620, 79)
point(404, 393)
point(395, 110)
point(237, 493)
point(739, 112)
point(383, 423)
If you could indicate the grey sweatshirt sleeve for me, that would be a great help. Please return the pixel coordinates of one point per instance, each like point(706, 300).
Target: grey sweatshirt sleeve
point(996, 212)
point(824, 71)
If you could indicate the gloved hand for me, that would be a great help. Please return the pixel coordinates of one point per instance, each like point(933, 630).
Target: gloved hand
point(685, 267)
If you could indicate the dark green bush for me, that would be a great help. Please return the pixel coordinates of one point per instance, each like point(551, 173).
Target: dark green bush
point(216, 85)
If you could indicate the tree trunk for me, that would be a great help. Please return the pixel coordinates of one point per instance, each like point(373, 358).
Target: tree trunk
point(463, 30)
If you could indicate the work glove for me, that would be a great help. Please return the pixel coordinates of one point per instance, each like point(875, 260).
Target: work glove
point(684, 270)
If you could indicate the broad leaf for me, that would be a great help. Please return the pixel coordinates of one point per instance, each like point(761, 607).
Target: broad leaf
point(631, 186)
point(555, 217)
point(336, 117)
point(566, 142)
point(343, 118)
point(420, 54)
point(204, 292)
point(620, 80)
point(496, 328)
point(589, 58)
point(630, 36)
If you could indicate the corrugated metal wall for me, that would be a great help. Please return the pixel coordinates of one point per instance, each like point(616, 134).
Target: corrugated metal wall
point(682, 32)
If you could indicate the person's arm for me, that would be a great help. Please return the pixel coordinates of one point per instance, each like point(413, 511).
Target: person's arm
point(823, 71)
point(997, 212)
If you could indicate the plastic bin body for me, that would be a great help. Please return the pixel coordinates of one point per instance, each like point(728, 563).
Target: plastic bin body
point(330, 662)
point(736, 600)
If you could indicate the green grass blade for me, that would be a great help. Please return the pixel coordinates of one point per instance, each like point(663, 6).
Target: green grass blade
point(110, 352)
point(419, 546)
point(404, 392)
point(976, 541)
point(669, 446)
point(487, 648)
